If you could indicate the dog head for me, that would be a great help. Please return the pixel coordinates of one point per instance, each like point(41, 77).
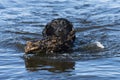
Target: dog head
point(58, 27)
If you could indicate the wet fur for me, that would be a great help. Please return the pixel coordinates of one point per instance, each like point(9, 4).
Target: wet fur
point(58, 36)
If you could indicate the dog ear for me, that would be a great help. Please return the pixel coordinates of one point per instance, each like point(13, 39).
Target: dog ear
point(70, 25)
point(45, 30)
point(48, 30)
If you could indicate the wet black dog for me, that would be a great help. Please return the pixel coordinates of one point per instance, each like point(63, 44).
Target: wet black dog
point(58, 36)
point(58, 28)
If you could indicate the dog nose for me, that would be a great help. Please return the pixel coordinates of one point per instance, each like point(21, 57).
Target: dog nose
point(58, 32)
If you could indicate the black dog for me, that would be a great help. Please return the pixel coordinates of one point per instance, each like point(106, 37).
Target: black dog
point(58, 28)
point(58, 36)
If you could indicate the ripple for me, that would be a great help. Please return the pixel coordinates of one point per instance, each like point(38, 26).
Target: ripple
point(94, 20)
point(2, 7)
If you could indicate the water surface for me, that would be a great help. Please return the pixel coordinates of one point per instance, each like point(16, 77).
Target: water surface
point(94, 20)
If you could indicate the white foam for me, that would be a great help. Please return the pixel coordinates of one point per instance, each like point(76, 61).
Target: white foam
point(99, 45)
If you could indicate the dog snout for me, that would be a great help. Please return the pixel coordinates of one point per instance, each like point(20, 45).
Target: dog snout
point(58, 31)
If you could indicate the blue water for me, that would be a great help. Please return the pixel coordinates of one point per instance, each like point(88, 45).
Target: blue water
point(94, 20)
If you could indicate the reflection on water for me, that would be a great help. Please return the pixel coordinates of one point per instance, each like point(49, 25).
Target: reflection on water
point(94, 20)
point(39, 63)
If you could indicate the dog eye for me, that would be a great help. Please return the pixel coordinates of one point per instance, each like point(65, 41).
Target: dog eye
point(53, 24)
point(56, 22)
point(63, 22)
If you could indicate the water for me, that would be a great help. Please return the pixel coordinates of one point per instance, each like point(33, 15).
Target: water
point(94, 20)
